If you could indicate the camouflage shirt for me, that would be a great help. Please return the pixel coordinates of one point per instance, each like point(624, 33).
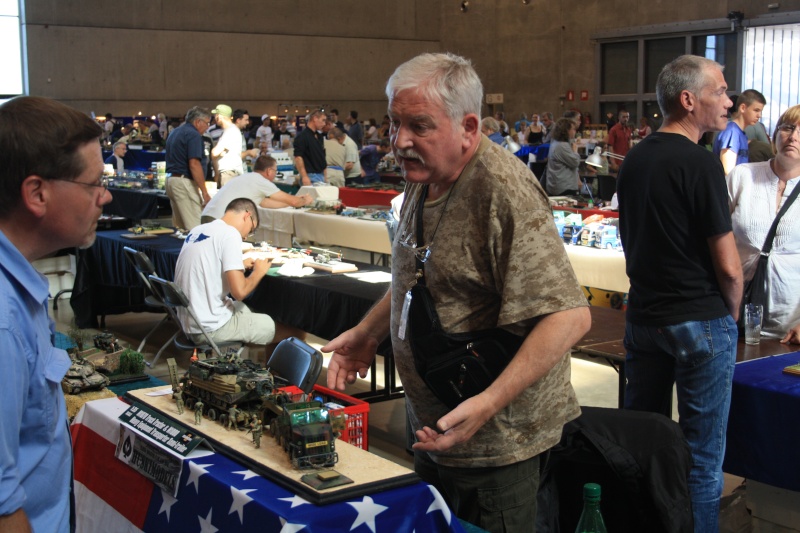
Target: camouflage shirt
point(496, 260)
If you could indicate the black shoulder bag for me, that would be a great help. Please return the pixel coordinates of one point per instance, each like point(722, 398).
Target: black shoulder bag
point(454, 366)
point(756, 291)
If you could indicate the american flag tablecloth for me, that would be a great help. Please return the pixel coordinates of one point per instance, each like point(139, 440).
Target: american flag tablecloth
point(217, 494)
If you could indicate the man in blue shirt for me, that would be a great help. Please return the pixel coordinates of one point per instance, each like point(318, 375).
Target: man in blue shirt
point(370, 158)
point(731, 145)
point(52, 192)
point(185, 161)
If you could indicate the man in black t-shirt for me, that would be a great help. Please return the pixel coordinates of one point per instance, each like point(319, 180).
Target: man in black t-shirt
point(686, 279)
point(309, 151)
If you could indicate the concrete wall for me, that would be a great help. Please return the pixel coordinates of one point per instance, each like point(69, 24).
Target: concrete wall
point(168, 55)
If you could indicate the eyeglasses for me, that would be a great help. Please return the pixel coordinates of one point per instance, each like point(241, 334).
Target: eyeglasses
point(102, 184)
point(787, 129)
point(253, 222)
point(422, 253)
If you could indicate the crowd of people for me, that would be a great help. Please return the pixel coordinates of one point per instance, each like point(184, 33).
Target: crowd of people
point(692, 233)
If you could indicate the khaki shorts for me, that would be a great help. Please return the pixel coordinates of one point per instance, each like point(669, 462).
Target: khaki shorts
point(244, 326)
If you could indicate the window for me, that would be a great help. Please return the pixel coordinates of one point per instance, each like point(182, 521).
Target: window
point(722, 49)
point(770, 65)
point(620, 68)
point(630, 64)
point(11, 44)
point(657, 53)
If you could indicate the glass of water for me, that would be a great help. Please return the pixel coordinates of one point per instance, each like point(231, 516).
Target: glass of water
point(753, 316)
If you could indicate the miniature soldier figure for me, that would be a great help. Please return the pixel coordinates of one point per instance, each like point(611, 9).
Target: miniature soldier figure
point(257, 433)
point(178, 395)
point(232, 413)
point(198, 412)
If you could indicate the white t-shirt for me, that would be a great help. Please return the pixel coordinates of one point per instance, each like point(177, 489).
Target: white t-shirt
point(264, 134)
point(208, 252)
point(251, 185)
point(231, 139)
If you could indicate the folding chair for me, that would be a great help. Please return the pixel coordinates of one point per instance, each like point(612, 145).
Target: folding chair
point(297, 363)
point(144, 267)
point(174, 297)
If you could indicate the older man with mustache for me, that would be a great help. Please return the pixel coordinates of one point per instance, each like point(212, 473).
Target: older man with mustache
point(475, 223)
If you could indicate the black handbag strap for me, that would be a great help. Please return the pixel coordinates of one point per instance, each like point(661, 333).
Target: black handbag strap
point(420, 237)
point(774, 228)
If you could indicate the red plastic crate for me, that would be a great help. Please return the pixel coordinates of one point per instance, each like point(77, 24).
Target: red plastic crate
point(356, 413)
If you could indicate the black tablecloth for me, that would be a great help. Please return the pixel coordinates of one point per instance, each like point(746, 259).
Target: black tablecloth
point(137, 205)
point(323, 304)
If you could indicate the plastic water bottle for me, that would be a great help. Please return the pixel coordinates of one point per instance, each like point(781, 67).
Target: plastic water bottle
point(591, 520)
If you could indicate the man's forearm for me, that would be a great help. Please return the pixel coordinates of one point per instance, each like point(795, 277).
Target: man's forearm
point(377, 321)
point(545, 345)
point(196, 169)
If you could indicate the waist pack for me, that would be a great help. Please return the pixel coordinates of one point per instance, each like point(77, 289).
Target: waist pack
point(455, 366)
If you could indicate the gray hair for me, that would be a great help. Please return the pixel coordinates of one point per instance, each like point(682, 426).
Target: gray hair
point(446, 78)
point(338, 134)
point(314, 114)
point(197, 112)
point(685, 73)
point(490, 124)
point(119, 143)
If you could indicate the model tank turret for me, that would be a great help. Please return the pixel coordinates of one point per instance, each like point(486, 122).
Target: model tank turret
point(82, 376)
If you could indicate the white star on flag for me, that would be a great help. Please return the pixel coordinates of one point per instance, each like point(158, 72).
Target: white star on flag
point(195, 471)
point(240, 499)
point(367, 511)
point(296, 500)
point(205, 523)
point(167, 501)
point(288, 527)
point(438, 504)
point(246, 474)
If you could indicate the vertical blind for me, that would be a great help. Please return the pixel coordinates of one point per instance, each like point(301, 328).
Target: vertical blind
point(772, 66)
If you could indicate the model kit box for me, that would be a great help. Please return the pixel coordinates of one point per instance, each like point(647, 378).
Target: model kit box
point(356, 413)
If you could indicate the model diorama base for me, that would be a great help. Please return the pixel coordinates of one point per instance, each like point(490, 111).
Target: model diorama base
point(368, 472)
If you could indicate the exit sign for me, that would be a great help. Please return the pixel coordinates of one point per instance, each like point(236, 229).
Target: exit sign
point(496, 98)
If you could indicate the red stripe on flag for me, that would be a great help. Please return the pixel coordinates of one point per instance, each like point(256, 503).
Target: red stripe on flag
point(116, 483)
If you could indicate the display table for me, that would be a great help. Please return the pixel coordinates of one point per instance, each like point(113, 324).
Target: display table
point(333, 230)
point(276, 226)
point(602, 269)
point(586, 212)
point(356, 197)
point(218, 494)
point(763, 428)
point(138, 204)
point(138, 159)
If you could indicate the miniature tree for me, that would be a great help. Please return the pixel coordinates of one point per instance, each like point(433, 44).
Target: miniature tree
point(131, 362)
point(78, 336)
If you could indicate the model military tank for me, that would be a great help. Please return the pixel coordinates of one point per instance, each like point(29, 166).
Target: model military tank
point(226, 382)
point(82, 376)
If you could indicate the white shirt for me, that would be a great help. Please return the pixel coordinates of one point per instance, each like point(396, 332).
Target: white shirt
point(208, 252)
point(231, 139)
point(251, 185)
point(752, 191)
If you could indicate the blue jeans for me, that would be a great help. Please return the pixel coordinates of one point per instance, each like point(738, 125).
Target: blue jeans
point(316, 177)
point(698, 357)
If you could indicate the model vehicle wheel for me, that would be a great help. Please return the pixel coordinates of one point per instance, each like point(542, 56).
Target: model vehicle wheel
point(608, 246)
point(211, 413)
point(76, 390)
point(189, 403)
point(223, 419)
